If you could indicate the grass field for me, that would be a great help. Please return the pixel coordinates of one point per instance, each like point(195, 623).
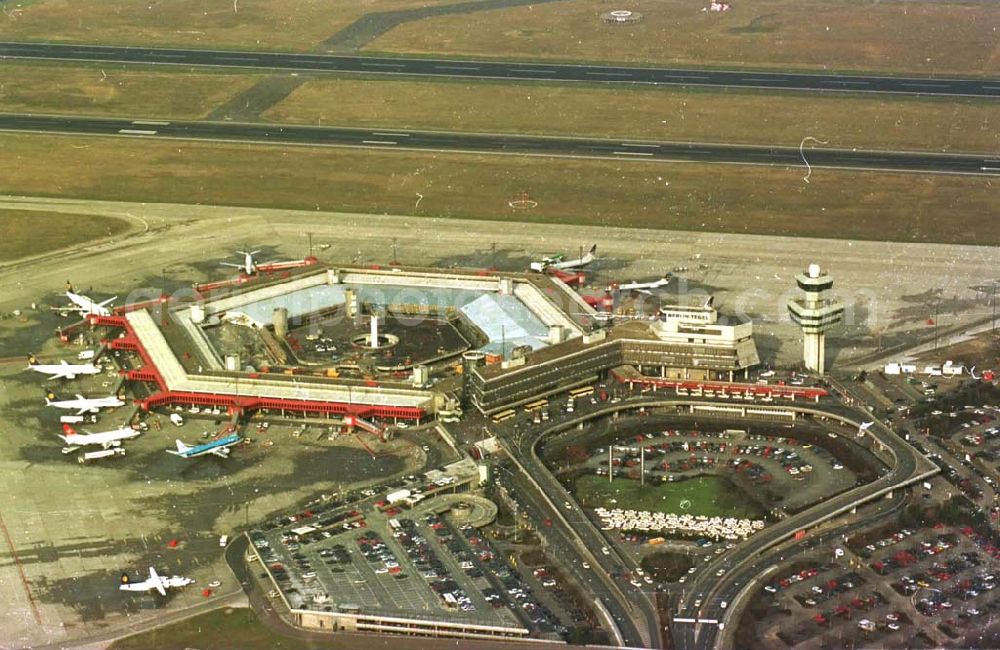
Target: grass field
point(226, 628)
point(27, 232)
point(138, 91)
point(723, 198)
point(645, 112)
point(711, 496)
point(289, 25)
point(917, 37)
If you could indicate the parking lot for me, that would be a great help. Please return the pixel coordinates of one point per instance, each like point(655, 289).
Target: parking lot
point(398, 559)
point(794, 474)
point(893, 587)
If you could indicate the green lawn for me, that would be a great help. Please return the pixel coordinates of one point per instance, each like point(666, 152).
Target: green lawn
point(712, 198)
point(712, 496)
point(26, 232)
point(222, 629)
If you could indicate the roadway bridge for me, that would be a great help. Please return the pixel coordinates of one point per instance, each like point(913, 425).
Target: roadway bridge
point(907, 467)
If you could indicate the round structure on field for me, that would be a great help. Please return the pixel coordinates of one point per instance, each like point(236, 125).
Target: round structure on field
point(621, 17)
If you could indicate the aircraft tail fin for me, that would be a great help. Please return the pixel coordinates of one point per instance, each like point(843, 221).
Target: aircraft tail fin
point(593, 249)
point(181, 448)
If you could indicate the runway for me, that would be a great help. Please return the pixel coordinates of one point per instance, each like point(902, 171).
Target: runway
point(395, 140)
point(510, 70)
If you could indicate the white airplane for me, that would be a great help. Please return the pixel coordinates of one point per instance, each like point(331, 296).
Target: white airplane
point(85, 305)
point(642, 287)
point(62, 370)
point(218, 447)
point(155, 581)
point(556, 262)
point(864, 427)
point(84, 404)
point(106, 439)
point(248, 266)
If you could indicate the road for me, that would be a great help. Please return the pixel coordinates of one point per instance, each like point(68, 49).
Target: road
point(908, 467)
point(474, 69)
point(394, 140)
point(577, 540)
point(743, 577)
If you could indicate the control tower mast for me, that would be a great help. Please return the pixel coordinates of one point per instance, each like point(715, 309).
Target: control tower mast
point(815, 314)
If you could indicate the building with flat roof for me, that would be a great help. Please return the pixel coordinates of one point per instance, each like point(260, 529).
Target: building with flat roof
point(690, 344)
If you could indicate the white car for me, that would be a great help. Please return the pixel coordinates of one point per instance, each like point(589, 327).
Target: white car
point(604, 549)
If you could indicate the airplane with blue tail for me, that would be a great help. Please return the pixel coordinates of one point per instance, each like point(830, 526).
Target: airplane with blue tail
point(218, 447)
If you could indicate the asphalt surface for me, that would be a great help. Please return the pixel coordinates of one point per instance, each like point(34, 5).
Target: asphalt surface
point(473, 69)
point(707, 585)
point(708, 635)
point(392, 139)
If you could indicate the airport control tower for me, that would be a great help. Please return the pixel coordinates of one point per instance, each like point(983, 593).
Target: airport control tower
point(815, 313)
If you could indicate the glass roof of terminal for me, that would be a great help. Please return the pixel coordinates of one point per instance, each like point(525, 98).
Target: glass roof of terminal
point(503, 318)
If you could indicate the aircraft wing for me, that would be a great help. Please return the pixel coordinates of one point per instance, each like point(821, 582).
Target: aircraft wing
point(157, 581)
point(221, 452)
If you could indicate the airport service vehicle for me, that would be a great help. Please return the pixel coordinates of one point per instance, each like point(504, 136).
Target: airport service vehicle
point(106, 439)
point(103, 453)
point(154, 581)
point(218, 447)
point(84, 404)
point(62, 370)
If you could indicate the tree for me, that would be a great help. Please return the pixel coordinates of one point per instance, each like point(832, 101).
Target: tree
point(576, 454)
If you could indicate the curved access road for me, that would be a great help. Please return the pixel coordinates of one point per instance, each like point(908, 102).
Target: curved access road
point(908, 467)
point(511, 70)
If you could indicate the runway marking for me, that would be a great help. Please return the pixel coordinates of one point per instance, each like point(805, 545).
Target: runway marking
point(767, 81)
point(631, 153)
point(392, 135)
point(173, 56)
point(991, 87)
point(149, 123)
point(610, 74)
point(990, 169)
point(136, 132)
point(456, 67)
point(532, 70)
point(378, 142)
point(686, 76)
point(237, 58)
point(924, 84)
point(638, 144)
point(384, 65)
point(839, 82)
